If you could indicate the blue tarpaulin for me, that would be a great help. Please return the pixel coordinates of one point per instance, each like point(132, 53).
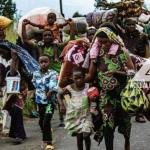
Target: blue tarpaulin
point(29, 62)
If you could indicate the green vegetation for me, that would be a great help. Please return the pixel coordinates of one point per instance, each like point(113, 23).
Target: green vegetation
point(7, 8)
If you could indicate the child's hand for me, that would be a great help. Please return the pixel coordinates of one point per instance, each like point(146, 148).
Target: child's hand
point(26, 21)
point(13, 54)
point(69, 20)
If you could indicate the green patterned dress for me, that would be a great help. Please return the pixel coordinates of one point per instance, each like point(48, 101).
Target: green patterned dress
point(111, 86)
point(78, 118)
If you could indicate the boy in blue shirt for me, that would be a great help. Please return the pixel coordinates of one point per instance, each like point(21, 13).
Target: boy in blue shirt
point(45, 82)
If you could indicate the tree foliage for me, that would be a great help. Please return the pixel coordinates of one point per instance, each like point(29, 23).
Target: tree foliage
point(7, 8)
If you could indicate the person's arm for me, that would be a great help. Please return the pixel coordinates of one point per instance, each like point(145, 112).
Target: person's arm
point(66, 23)
point(34, 24)
point(53, 83)
point(92, 71)
point(129, 64)
point(60, 101)
point(147, 55)
point(24, 34)
point(147, 45)
point(72, 35)
point(34, 80)
point(56, 57)
point(14, 62)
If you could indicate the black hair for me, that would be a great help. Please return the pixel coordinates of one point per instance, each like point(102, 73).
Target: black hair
point(91, 29)
point(132, 21)
point(111, 26)
point(48, 29)
point(102, 35)
point(78, 69)
point(52, 15)
point(45, 55)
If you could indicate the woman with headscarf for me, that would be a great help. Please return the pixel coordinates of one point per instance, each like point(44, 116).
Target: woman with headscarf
point(111, 66)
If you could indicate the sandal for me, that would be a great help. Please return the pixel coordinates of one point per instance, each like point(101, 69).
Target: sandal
point(49, 147)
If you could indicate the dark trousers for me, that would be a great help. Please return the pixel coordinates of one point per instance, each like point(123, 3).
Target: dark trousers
point(122, 121)
point(45, 123)
point(17, 126)
point(81, 138)
point(109, 137)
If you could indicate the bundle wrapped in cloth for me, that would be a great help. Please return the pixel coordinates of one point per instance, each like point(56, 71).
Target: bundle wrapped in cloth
point(4, 22)
point(126, 8)
point(97, 18)
point(72, 55)
point(80, 26)
point(133, 98)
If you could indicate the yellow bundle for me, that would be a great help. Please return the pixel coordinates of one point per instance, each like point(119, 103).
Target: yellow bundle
point(4, 22)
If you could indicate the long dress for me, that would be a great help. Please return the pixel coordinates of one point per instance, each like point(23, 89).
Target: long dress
point(111, 87)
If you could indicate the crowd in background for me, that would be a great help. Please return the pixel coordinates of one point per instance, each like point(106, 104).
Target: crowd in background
point(86, 75)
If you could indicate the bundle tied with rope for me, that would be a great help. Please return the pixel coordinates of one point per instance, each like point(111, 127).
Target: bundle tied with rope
point(133, 99)
point(126, 8)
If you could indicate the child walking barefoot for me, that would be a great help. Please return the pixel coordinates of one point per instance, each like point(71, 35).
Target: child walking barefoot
point(78, 119)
